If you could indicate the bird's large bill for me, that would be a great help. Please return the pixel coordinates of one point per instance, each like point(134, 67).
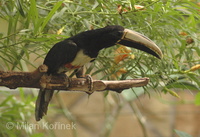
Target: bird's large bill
point(136, 40)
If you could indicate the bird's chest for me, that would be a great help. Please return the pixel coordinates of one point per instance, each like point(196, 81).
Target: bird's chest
point(80, 60)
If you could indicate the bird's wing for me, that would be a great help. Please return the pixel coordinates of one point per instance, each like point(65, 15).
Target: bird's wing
point(60, 54)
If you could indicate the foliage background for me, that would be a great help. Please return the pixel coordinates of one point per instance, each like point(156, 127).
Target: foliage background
point(32, 27)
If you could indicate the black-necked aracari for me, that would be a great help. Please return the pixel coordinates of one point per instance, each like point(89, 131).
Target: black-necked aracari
point(74, 52)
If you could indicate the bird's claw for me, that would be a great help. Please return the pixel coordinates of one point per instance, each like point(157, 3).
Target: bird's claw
point(89, 80)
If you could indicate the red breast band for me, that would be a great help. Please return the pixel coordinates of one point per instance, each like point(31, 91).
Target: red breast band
point(70, 66)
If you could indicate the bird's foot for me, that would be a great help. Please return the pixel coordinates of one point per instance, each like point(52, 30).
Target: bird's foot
point(89, 80)
point(67, 80)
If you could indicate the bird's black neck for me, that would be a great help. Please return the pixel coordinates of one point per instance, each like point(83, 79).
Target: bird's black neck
point(93, 41)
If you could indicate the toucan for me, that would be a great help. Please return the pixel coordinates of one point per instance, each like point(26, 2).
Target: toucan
point(74, 52)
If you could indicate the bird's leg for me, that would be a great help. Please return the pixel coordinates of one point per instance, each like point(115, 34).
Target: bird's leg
point(45, 80)
point(79, 74)
point(89, 80)
point(67, 80)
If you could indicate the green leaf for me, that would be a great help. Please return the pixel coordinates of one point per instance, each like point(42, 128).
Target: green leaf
point(194, 78)
point(132, 3)
point(33, 15)
point(51, 13)
point(183, 85)
point(197, 50)
point(131, 94)
point(3, 103)
point(181, 133)
point(19, 6)
point(197, 99)
point(173, 93)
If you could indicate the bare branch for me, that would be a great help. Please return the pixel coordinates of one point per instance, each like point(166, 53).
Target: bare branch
point(37, 79)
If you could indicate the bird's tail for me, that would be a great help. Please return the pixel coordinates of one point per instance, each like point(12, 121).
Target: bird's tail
point(42, 102)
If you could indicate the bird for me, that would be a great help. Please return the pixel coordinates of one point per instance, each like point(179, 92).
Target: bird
point(73, 53)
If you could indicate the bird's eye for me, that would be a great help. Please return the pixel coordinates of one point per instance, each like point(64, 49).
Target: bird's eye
point(119, 33)
point(116, 34)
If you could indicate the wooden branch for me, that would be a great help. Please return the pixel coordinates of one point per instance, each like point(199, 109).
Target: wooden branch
point(37, 79)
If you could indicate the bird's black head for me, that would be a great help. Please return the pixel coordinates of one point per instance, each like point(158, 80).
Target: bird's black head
point(110, 35)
